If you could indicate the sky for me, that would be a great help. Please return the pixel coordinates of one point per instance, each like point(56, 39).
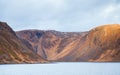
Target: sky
point(60, 15)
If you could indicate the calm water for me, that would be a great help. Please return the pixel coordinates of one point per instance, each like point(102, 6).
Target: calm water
point(62, 69)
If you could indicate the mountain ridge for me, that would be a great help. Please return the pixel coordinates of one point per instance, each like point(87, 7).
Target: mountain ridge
point(100, 44)
point(76, 46)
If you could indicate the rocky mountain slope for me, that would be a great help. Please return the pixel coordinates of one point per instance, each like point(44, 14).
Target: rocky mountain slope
point(13, 50)
point(99, 44)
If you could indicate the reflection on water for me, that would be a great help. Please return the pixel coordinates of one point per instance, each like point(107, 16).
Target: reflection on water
point(61, 69)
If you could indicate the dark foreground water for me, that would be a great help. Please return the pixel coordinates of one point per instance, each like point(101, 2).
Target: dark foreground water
point(61, 69)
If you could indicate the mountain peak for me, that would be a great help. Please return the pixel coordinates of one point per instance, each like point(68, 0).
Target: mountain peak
point(107, 30)
point(106, 35)
point(109, 27)
point(4, 26)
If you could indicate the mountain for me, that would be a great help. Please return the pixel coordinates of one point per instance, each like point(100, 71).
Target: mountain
point(13, 49)
point(50, 44)
point(99, 44)
point(107, 40)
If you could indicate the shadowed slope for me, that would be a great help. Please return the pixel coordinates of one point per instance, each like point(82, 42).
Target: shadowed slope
point(12, 50)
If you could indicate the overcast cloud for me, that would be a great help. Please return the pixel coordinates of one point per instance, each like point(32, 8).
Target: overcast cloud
point(61, 15)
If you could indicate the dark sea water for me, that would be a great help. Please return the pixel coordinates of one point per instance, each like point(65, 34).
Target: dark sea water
point(61, 69)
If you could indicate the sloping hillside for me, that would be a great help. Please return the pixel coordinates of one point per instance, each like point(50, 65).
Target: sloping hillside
point(13, 50)
point(99, 44)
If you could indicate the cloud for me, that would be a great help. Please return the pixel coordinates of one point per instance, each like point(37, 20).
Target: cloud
point(62, 15)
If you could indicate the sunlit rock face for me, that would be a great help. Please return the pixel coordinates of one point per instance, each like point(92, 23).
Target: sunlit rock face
point(99, 44)
point(107, 38)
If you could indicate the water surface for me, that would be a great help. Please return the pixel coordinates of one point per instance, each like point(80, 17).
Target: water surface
point(61, 69)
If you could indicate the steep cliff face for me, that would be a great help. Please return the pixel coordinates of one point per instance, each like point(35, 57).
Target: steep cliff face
point(13, 50)
point(99, 44)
